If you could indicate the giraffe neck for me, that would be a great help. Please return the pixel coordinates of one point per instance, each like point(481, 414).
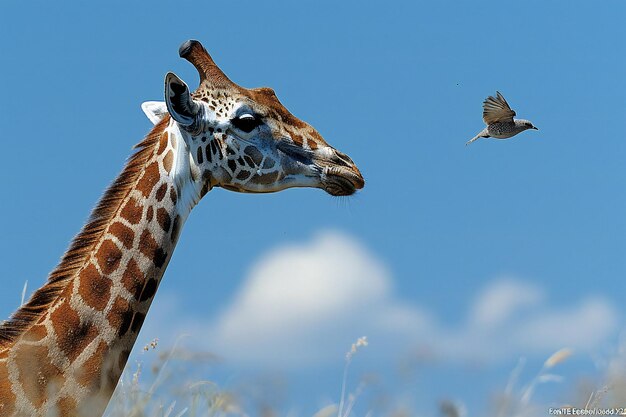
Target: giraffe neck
point(68, 361)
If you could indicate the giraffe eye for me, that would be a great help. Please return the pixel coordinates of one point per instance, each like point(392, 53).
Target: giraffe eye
point(246, 122)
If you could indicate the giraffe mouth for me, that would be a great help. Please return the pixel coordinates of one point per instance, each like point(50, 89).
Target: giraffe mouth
point(342, 182)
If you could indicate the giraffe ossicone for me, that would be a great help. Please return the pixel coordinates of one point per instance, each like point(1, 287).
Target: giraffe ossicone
point(63, 351)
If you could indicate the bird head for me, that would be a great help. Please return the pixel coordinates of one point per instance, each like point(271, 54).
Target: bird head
point(525, 124)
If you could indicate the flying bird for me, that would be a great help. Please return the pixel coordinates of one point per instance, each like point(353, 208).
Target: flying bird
point(498, 117)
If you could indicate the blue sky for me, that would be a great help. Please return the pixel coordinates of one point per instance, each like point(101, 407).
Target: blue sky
point(522, 237)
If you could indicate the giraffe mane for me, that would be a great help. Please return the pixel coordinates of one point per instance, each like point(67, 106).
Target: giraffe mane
point(84, 242)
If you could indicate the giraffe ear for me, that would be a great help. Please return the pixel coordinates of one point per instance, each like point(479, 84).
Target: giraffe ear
point(180, 104)
point(154, 110)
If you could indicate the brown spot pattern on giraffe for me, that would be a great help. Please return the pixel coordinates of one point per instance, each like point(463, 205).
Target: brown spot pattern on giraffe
point(161, 192)
point(120, 316)
point(132, 211)
point(199, 155)
point(266, 97)
point(160, 256)
point(164, 220)
point(147, 244)
point(254, 153)
point(90, 375)
point(249, 161)
point(163, 142)
point(132, 278)
point(243, 175)
point(65, 406)
point(137, 322)
point(149, 179)
point(148, 290)
point(93, 288)
point(123, 233)
point(36, 333)
point(37, 375)
point(108, 256)
point(149, 247)
point(72, 335)
point(168, 160)
point(268, 178)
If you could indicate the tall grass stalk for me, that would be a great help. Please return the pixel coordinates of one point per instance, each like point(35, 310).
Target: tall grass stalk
point(361, 342)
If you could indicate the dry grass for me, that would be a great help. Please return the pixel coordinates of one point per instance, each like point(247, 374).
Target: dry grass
point(160, 393)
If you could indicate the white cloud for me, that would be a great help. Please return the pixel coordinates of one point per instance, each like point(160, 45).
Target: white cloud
point(581, 326)
point(501, 300)
point(296, 287)
point(305, 304)
point(511, 318)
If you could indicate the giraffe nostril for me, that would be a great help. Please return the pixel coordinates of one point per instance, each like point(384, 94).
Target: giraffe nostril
point(342, 159)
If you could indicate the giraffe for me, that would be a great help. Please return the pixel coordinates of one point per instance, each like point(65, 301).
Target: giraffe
point(63, 351)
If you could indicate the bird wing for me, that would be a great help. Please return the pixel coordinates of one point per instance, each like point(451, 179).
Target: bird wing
point(496, 109)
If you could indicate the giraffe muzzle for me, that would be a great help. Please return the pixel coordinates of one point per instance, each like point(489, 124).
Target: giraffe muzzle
point(342, 183)
point(340, 177)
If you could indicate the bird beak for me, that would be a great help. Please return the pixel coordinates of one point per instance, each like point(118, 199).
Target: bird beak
point(535, 128)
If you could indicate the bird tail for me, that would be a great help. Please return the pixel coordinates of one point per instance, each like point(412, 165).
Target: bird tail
point(475, 138)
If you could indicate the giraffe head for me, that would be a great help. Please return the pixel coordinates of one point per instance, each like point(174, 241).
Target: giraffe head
point(245, 140)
